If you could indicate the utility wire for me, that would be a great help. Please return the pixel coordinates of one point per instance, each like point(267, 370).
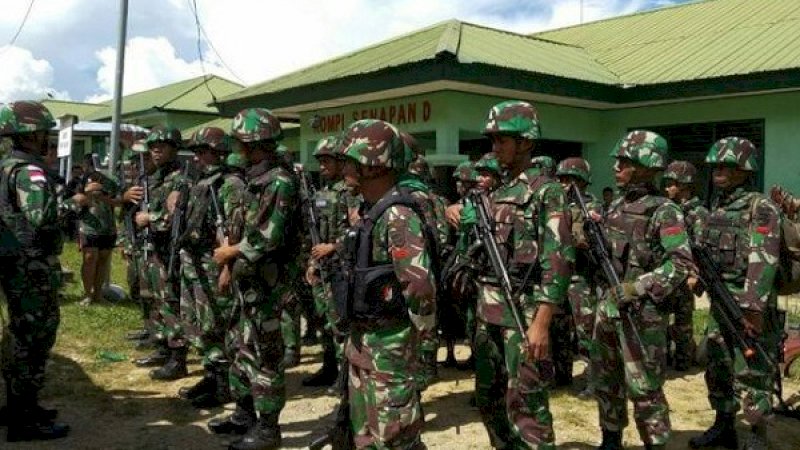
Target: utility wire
point(193, 6)
point(202, 31)
point(21, 25)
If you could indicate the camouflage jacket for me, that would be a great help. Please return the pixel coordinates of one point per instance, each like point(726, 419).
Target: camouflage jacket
point(272, 209)
point(28, 208)
point(433, 208)
point(163, 181)
point(97, 218)
point(330, 204)
point(696, 215)
point(532, 226)
point(201, 216)
point(649, 243)
point(743, 232)
point(583, 265)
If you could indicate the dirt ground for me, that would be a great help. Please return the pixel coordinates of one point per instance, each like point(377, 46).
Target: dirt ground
point(123, 409)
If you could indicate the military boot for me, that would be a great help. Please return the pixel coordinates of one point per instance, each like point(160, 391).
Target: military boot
point(757, 439)
point(291, 357)
point(155, 359)
point(202, 387)
point(26, 423)
point(612, 440)
point(654, 446)
point(264, 435)
point(41, 414)
point(239, 422)
point(721, 434)
point(326, 376)
point(220, 392)
point(175, 368)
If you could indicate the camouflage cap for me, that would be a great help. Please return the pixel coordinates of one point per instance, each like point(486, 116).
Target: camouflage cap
point(327, 146)
point(576, 167)
point(25, 117)
point(420, 167)
point(644, 147)
point(680, 171)
point(545, 163)
point(465, 171)
point(164, 134)
point(375, 143)
point(488, 162)
point(734, 151)
point(235, 159)
point(512, 117)
point(256, 124)
point(212, 137)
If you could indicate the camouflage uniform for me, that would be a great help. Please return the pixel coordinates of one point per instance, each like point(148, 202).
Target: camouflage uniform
point(531, 228)
point(31, 276)
point(743, 234)
point(650, 250)
point(681, 301)
point(391, 318)
point(545, 164)
point(577, 321)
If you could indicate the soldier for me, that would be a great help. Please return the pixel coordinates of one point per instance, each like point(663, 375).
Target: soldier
point(324, 257)
point(743, 234)
point(581, 293)
point(531, 228)
point(788, 202)
point(171, 351)
point(259, 268)
point(678, 187)
point(218, 200)
point(465, 177)
point(30, 278)
point(546, 164)
point(397, 308)
point(650, 250)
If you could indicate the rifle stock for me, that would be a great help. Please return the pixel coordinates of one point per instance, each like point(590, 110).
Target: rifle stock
point(307, 193)
point(223, 238)
point(144, 206)
point(178, 222)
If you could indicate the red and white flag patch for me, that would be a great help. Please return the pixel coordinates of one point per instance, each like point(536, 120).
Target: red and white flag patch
point(36, 174)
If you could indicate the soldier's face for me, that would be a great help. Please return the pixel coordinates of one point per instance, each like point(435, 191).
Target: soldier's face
point(329, 167)
point(671, 189)
point(509, 150)
point(486, 181)
point(35, 143)
point(624, 170)
point(567, 181)
point(162, 153)
point(350, 173)
point(205, 157)
point(727, 177)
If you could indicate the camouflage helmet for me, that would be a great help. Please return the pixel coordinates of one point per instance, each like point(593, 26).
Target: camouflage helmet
point(681, 172)
point(374, 143)
point(644, 147)
point(256, 124)
point(465, 172)
point(576, 167)
point(139, 146)
point(164, 134)
point(734, 151)
point(327, 146)
point(545, 163)
point(212, 137)
point(25, 117)
point(413, 149)
point(420, 167)
point(235, 159)
point(512, 117)
point(488, 162)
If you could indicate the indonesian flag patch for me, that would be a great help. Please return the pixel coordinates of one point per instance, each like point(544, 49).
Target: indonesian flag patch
point(36, 174)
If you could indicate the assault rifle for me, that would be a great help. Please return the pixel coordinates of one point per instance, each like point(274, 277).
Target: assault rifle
point(307, 195)
point(340, 435)
point(223, 238)
point(485, 232)
point(602, 257)
point(127, 216)
point(144, 206)
point(178, 222)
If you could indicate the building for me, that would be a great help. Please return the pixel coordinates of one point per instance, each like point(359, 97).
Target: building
point(695, 73)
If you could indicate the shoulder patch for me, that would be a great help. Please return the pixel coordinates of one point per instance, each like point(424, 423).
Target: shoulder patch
point(36, 174)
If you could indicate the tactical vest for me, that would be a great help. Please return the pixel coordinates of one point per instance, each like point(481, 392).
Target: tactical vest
point(292, 239)
point(325, 202)
point(370, 282)
point(18, 237)
point(199, 235)
point(629, 228)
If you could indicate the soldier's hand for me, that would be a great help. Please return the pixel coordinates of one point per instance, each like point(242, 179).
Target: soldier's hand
point(225, 253)
point(595, 216)
point(80, 199)
point(142, 219)
point(172, 201)
point(691, 282)
point(133, 195)
point(453, 214)
point(538, 333)
point(753, 322)
point(224, 281)
point(320, 251)
point(311, 275)
point(93, 187)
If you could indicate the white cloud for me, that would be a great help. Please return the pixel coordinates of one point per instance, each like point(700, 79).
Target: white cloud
point(23, 77)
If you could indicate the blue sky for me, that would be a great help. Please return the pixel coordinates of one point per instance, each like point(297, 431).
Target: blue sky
point(67, 47)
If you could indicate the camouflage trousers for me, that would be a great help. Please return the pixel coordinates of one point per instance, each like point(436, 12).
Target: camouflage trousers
point(164, 314)
point(385, 408)
point(290, 319)
point(732, 380)
point(681, 331)
point(31, 291)
point(257, 367)
point(582, 305)
point(325, 309)
point(511, 394)
point(205, 312)
point(622, 369)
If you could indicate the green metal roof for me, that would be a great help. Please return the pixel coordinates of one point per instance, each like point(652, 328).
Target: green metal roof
point(60, 108)
point(190, 95)
point(225, 124)
point(468, 43)
point(706, 39)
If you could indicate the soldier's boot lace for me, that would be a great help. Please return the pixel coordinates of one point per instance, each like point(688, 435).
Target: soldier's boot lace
point(157, 358)
point(202, 387)
point(220, 392)
point(758, 438)
point(175, 368)
point(264, 435)
point(721, 434)
point(239, 422)
point(327, 375)
point(612, 440)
